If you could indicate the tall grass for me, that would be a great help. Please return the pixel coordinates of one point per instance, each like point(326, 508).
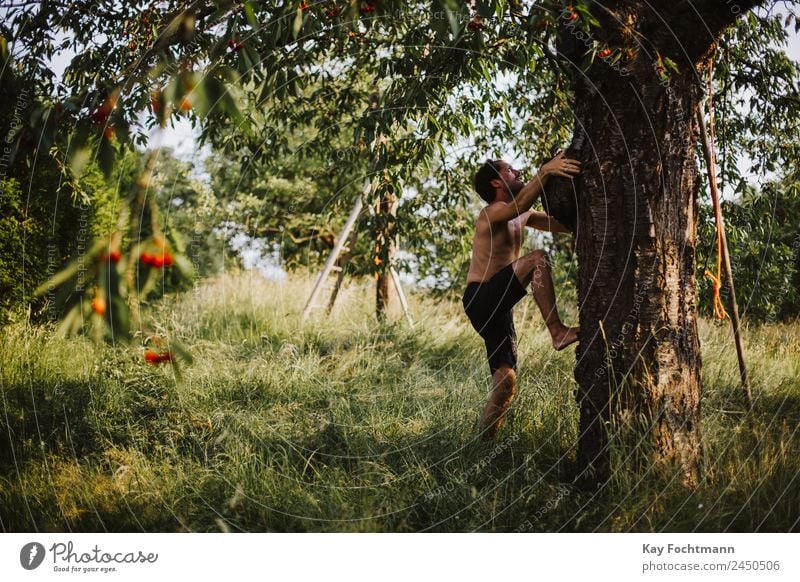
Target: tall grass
point(343, 424)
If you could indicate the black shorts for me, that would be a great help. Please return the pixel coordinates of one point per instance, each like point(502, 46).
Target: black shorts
point(488, 306)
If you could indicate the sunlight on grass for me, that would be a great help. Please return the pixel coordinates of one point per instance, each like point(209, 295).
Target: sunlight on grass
point(342, 424)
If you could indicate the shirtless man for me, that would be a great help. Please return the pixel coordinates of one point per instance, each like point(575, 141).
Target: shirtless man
point(498, 276)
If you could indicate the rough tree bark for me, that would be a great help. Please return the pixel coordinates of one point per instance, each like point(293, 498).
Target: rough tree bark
point(385, 248)
point(635, 213)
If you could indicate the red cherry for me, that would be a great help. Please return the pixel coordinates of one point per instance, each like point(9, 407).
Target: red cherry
point(114, 256)
point(100, 115)
point(110, 132)
point(168, 260)
point(604, 53)
point(475, 23)
point(146, 258)
point(155, 358)
point(231, 44)
point(573, 16)
point(99, 305)
point(304, 6)
point(158, 261)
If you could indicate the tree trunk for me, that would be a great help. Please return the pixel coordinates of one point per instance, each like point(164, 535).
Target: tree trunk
point(385, 210)
point(639, 354)
point(634, 208)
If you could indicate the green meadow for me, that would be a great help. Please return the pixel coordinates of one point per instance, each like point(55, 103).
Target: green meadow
point(344, 424)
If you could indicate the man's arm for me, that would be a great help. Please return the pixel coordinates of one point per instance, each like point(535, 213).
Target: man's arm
point(545, 222)
point(560, 165)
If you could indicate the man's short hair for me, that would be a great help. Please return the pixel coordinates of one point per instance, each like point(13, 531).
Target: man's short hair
point(490, 170)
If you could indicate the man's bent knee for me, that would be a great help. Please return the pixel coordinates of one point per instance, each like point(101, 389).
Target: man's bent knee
point(525, 266)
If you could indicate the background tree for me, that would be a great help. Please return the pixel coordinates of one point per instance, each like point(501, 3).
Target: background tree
point(765, 250)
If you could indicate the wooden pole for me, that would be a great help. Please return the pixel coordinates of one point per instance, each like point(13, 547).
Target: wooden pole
point(726, 258)
point(337, 248)
point(401, 296)
point(343, 261)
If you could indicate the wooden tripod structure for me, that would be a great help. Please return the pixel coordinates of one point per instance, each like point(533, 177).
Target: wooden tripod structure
point(345, 244)
point(337, 262)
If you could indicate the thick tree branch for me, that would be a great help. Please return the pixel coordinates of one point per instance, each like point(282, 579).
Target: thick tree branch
point(689, 29)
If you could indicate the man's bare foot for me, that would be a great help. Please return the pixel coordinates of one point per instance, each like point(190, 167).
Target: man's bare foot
point(564, 336)
point(504, 383)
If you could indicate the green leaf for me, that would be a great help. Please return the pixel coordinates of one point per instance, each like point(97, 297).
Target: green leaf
point(151, 276)
point(452, 20)
point(251, 16)
point(212, 93)
point(73, 267)
point(184, 266)
point(177, 348)
point(500, 9)
point(247, 61)
point(106, 153)
point(200, 101)
point(229, 106)
point(78, 161)
point(71, 323)
point(670, 64)
point(298, 22)
point(118, 318)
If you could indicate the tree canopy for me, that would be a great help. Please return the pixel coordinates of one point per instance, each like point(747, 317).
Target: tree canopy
point(273, 85)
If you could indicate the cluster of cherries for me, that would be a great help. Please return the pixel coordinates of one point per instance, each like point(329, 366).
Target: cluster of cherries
point(572, 14)
point(100, 117)
point(156, 100)
point(235, 46)
point(370, 7)
point(156, 260)
point(155, 358)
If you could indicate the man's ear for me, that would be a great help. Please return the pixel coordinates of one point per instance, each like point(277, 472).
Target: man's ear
point(497, 183)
